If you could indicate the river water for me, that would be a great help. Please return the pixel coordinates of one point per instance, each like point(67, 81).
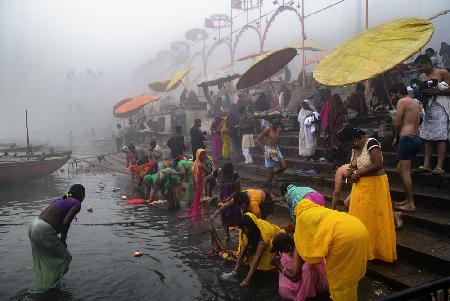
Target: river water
point(177, 264)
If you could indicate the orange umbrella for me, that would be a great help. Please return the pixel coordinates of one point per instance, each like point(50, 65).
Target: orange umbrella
point(265, 66)
point(251, 55)
point(129, 106)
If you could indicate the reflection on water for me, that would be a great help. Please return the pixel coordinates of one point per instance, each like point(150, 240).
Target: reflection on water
point(176, 264)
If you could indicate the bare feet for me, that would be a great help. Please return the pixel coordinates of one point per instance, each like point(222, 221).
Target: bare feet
point(406, 207)
point(398, 220)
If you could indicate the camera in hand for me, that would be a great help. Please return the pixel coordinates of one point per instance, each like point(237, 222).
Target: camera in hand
point(418, 86)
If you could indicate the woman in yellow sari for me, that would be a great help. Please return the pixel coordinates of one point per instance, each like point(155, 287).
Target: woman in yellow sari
point(338, 237)
point(226, 140)
point(255, 243)
point(370, 196)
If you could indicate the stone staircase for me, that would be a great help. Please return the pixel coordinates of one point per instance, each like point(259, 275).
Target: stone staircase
point(423, 244)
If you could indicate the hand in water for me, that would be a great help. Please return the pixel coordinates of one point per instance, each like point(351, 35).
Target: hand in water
point(228, 276)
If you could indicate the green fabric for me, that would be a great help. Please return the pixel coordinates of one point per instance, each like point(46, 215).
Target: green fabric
point(152, 178)
point(189, 191)
point(51, 258)
point(187, 165)
point(165, 180)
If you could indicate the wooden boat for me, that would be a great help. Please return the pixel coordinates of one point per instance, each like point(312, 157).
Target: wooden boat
point(13, 169)
point(21, 149)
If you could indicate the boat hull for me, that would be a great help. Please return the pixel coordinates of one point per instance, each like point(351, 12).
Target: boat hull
point(32, 169)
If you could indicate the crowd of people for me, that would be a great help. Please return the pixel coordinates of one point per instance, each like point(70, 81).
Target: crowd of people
point(326, 249)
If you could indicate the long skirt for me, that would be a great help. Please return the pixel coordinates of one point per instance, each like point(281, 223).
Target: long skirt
point(313, 281)
point(196, 209)
point(230, 216)
point(216, 145)
point(51, 258)
point(371, 203)
point(226, 146)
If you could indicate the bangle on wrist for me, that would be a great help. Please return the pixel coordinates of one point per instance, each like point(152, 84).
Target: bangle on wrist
point(245, 282)
point(284, 270)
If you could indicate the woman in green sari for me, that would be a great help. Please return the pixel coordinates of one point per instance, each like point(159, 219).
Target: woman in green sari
point(184, 171)
point(51, 258)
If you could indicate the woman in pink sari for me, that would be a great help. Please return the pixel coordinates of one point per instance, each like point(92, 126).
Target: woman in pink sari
point(298, 280)
point(216, 138)
point(203, 165)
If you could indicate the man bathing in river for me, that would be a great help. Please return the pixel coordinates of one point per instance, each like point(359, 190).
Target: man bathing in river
point(272, 153)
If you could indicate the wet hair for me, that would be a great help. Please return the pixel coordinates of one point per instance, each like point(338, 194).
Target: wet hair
point(228, 169)
point(430, 50)
point(276, 123)
point(197, 121)
point(281, 243)
point(241, 198)
point(423, 59)
point(284, 188)
point(118, 126)
point(131, 147)
point(360, 87)
point(348, 134)
point(153, 142)
point(251, 230)
point(178, 129)
point(242, 109)
point(77, 191)
point(399, 88)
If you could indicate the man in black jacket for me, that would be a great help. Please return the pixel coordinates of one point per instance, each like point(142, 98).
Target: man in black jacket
point(176, 142)
point(197, 137)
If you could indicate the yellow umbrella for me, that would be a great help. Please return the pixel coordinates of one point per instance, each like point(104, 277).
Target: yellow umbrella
point(373, 52)
point(159, 86)
point(310, 44)
point(176, 79)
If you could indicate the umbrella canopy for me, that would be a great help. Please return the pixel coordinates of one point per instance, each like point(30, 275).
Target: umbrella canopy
point(265, 66)
point(310, 44)
point(176, 79)
point(129, 106)
point(159, 86)
point(251, 55)
point(219, 77)
point(373, 52)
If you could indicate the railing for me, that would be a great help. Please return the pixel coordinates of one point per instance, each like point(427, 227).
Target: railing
point(438, 290)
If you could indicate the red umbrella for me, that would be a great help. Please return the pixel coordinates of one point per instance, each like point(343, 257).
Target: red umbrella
point(129, 106)
point(265, 66)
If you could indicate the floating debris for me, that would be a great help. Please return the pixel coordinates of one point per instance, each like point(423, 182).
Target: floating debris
point(90, 210)
point(138, 254)
point(116, 189)
point(124, 197)
point(158, 202)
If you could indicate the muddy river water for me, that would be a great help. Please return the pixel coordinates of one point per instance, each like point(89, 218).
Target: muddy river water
point(176, 265)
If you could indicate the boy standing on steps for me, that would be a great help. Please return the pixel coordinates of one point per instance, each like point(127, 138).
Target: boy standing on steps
point(407, 140)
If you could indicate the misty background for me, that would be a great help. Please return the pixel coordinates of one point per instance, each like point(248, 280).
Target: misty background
point(107, 48)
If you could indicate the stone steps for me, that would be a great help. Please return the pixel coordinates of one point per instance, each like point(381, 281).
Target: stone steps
point(423, 255)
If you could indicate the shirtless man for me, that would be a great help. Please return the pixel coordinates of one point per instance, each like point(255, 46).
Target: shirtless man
point(407, 140)
point(272, 153)
point(434, 128)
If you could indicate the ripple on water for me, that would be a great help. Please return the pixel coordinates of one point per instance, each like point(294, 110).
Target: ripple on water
point(176, 265)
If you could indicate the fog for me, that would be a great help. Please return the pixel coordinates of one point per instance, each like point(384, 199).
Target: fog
point(68, 62)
